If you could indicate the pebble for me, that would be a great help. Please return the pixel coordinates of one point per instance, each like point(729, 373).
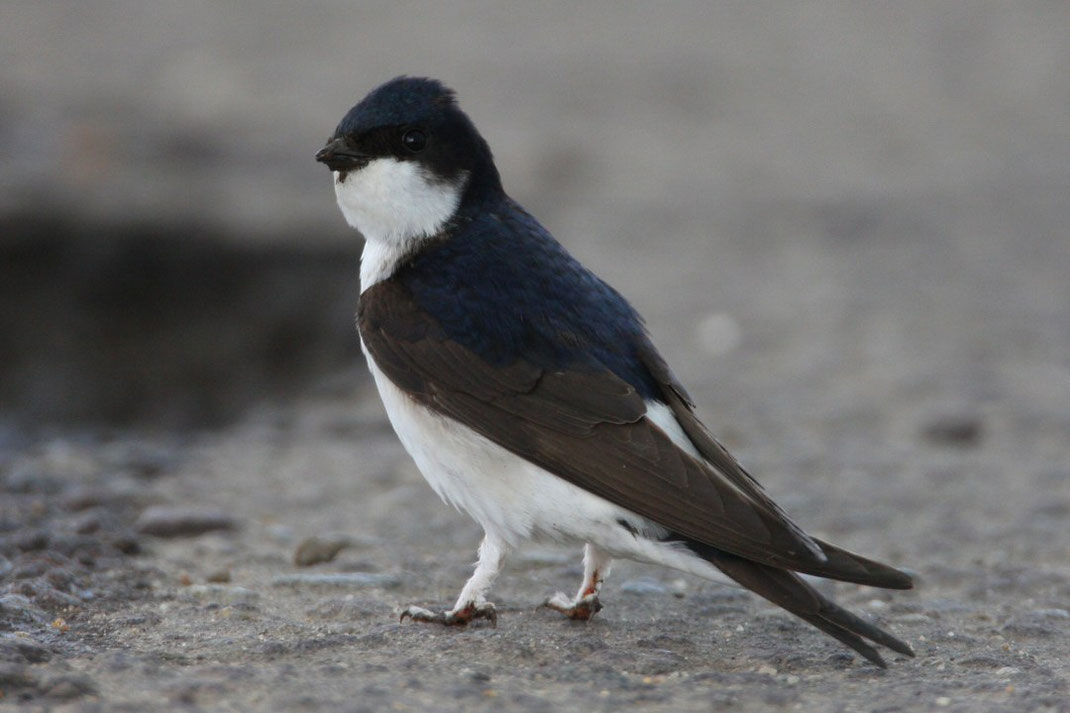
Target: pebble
point(48, 596)
point(314, 550)
point(33, 568)
point(60, 577)
point(142, 460)
point(67, 687)
point(961, 430)
point(30, 478)
point(219, 576)
point(84, 497)
point(20, 649)
point(126, 542)
point(32, 540)
point(87, 524)
point(338, 579)
point(163, 521)
point(14, 676)
point(15, 607)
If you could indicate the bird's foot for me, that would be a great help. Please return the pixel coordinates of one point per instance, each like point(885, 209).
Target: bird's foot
point(581, 609)
point(455, 617)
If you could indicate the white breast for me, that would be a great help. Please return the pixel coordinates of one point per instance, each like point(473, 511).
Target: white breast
point(394, 204)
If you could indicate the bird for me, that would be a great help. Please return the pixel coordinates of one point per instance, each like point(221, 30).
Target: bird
point(529, 393)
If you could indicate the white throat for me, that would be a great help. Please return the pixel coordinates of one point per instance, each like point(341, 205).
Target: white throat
point(394, 204)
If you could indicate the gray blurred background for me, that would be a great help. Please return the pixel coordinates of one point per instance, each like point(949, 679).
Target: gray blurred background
point(845, 222)
point(171, 253)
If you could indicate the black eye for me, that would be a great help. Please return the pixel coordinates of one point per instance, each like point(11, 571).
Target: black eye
point(414, 140)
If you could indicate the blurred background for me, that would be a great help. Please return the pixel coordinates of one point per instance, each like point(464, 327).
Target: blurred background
point(814, 200)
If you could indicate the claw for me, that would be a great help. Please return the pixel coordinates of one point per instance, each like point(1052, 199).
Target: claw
point(420, 614)
point(457, 617)
point(581, 609)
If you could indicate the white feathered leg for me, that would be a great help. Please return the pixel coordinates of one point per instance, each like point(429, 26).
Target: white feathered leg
point(472, 604)
point(596, 565)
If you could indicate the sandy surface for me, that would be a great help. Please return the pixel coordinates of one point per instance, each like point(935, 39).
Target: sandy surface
point(846, 226)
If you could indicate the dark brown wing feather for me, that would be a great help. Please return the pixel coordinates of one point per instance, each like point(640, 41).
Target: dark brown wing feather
point(589, 428)
point(841, 564)
point(788, 590)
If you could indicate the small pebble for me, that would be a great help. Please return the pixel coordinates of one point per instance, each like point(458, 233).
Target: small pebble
point(87, 524)
point(126, 543)
point(60, 577)
point(16, 607)
point(18, 650)
point(164, 521)
point(84, 497)
point(219, 576)
point(51, 598)
point(14, 676)
point(315, 550)
point(28, 570)
point(32, 540)
point(67, 687)
point(961, 430)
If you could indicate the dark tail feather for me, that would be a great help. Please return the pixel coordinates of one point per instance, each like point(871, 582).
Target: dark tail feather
point(848, 567)
point(787, 590)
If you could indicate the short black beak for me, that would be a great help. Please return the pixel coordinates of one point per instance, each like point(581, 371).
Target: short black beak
point(337, 155)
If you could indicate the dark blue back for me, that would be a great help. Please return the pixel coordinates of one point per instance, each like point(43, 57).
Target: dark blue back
point(503, 287)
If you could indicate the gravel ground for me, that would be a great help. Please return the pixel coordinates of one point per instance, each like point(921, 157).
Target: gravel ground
point(845, 224)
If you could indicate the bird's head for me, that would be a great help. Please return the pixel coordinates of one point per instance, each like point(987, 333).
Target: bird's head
point(405, 159)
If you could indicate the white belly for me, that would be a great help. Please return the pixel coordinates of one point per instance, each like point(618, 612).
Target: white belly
point(509, 496)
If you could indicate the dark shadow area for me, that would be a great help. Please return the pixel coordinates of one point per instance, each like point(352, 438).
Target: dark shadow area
point(164, 327)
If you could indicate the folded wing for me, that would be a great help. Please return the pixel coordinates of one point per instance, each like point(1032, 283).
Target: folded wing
point(589, 427)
